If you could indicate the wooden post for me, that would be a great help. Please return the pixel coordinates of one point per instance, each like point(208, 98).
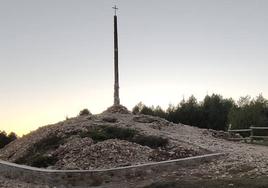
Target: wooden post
point(116, 74)
point(251, 135)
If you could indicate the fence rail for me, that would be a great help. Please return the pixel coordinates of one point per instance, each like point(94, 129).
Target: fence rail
point(251, 131)
point(239, 130)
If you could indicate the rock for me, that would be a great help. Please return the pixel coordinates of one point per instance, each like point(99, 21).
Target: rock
point(109, 119)
point(117, 109)
point(221, 134)
point(144, 119)
point(176, 152)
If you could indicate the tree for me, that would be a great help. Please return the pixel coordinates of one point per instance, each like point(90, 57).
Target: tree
point(158, 111)
point(137, 108)
point(215, 110)
point(171, 114)
point(147, 110)
point(249, 112)
point(3, 139)
point(6, 139)
point(188, 112)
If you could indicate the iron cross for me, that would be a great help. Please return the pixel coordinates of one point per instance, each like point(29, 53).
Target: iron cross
point(115, 9)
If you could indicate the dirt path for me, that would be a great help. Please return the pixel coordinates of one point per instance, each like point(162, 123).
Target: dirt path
point(241, 159)
point(8, 183)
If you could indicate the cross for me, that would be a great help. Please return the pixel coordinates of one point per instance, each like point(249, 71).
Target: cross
point(115, 9)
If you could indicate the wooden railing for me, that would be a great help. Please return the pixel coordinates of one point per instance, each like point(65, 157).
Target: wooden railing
point(251, 133)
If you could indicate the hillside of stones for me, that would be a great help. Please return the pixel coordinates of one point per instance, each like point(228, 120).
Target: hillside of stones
point(113, 138)
point(117, 138)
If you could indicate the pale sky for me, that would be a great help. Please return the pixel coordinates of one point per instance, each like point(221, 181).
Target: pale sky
point(56, 56)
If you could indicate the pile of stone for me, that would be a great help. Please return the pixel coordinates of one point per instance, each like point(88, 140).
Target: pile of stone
point(174, 153)
point(84, 154)
point(152, 121)
point(117, 109)
point(221, 134)
point(76, 150)
point(79, 152)
point(20, 147)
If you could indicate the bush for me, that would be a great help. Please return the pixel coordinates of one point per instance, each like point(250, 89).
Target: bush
point(96, 134)
point(104, 133)
point(37, 155)
point(42, 161)
point(50, 143)
point(84, 112)
point(120, 133)
point(151, 141)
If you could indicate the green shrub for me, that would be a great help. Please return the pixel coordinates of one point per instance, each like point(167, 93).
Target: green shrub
point(104, 133)
point(96, 134)
point(49, 143)
point(84, 112)
point(42, 161)
point(151, 141)
point(36, 155)
point(120, 133)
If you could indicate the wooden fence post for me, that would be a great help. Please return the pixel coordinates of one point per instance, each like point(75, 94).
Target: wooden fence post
point(251, 134)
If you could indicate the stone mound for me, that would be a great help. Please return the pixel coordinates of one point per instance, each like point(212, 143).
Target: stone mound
point(102, 155)
point(221, 134)
point(174, 153)
point(112, 139)
point(117, 109)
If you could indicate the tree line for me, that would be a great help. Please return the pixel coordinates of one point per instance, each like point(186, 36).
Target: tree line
point(6, 138)
point(214, 112)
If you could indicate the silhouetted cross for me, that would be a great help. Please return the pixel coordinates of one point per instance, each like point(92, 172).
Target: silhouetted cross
point(115, 9)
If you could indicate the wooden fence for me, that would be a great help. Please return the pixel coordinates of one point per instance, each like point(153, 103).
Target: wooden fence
point(251, 133)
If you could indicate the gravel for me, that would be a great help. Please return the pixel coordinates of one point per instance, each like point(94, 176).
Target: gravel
point(82, 154)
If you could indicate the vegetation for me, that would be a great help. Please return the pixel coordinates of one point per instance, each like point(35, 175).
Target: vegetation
point(151, 141)
point(249, 112)
point(43, 161)
point(6, 138)
point(38, 154)
point(214, 112)
point(84, 112)
point(102, 133)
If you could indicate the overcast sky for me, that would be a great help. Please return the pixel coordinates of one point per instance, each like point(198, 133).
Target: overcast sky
point(56, 56)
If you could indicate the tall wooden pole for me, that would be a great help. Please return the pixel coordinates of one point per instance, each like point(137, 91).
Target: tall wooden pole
point(116, 72)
